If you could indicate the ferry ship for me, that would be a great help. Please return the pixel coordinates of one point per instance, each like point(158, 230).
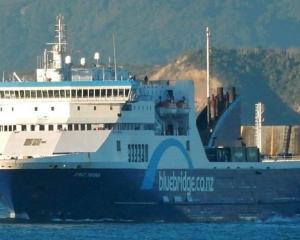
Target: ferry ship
point(95, 143)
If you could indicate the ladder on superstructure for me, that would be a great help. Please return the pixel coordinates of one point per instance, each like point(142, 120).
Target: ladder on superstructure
point(287, 138)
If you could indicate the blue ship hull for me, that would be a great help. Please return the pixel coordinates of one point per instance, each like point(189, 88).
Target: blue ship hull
point(175, 195)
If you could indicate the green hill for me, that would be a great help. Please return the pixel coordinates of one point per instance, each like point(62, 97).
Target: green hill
point(155, 32)
point(147, 32)
point(269, 76)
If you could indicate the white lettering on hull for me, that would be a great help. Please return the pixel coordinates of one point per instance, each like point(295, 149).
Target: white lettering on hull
point(87, 174)
point(184, 183)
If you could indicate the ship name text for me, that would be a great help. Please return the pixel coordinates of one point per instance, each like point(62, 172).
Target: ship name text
point(183, 182)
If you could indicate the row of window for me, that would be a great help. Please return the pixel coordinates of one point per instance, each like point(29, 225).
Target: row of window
point(52, 108)
point(74, 93)
point(137, 152)
point(130, 107)
point(147, 108)
point(76, 127)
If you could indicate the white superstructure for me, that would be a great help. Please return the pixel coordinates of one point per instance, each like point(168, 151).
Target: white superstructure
point(98, 115)
point(76, 110)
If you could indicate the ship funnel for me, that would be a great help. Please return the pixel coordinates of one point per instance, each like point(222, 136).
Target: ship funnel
point(82, 62)
point(68, 60)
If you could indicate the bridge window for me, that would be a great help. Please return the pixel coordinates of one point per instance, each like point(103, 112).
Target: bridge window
point(115, 92)
point(97, 93)
point(50, 93)
point(91, 93)
point(108, 94)
point(85, 93)
point(126, 92)
point(62, 93)
point(73, 93)
point(27, 94)
point(103, 92)
point(12, 94)
point(6, 94)
point(50, 127)
point(39, 94)
point(56, 93)
point(33, 94)
point(45, 94)
point(79, 93)
point(70, 127)
point(67, 93)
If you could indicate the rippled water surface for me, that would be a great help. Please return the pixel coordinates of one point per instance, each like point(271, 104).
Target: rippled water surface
point(273, 229)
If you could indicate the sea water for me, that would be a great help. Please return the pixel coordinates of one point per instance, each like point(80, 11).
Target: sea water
point(273, 228)
point(280, 230)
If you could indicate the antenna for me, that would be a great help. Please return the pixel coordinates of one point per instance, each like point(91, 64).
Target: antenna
point(45, 63)
point(103, 73)
point(207, 62)
point(45, 59)
point(59, 45)
point(115, 60)
point(60, 27)
point(207, 78)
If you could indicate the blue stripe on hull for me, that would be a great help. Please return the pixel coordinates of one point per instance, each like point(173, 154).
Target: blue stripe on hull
point(176, 195)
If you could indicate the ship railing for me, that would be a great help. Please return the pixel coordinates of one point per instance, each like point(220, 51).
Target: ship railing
point(280, 157)
point(76, 100)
